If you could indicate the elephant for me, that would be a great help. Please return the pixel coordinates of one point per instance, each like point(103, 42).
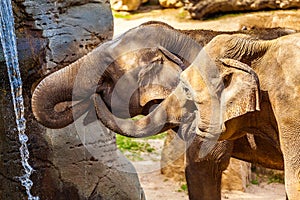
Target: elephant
point(114, 67)
point(159, 57)
point(236, 85)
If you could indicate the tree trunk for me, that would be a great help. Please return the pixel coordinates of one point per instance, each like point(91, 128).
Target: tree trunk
point(200, 9)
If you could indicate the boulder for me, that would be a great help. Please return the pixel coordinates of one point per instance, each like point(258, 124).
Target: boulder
point(236, 176)
point(68, 164)
point(126, 5)
point(171, 3)
point(200, 9)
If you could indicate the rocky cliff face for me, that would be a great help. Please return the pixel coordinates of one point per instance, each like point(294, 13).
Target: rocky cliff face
point(51, 35)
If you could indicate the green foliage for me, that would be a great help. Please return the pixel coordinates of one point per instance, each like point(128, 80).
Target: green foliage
point(255, 181)
point(136, 149)
point(130, 144)
point(157, 137)
point(276, 178)
point(182, 14)
point(183, 188)
point(266, 175)
point(123, 15)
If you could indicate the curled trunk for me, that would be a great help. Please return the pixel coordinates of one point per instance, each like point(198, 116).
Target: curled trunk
point(52, 98)
point(80, 80)
point(166, 116)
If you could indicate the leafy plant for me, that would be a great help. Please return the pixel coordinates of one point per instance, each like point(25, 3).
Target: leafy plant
point(182, 14)
point(183, 188)
point(123, 15)
point(136, 149)
point(130, 144)
point(276, 178)
point(255, 181)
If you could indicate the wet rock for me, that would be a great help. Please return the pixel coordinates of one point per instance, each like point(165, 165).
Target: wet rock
point(51, 35)
point(89, 163)
point(200, 9)
point(72, 28)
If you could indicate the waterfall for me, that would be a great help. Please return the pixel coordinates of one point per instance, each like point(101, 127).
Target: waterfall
point(8, 41)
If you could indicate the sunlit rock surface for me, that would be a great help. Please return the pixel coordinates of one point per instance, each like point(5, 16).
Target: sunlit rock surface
point(171, 3)
point(126, 5)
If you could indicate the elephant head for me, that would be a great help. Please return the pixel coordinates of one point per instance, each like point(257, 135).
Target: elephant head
point(65, 95)
point(211, 92)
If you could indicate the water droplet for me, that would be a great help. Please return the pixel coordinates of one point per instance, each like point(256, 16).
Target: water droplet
point(23, 138)
point(8, 41)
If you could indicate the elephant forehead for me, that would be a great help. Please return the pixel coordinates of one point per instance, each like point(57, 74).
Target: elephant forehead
point(193, 81)
point(127, 61)
point(192, 77)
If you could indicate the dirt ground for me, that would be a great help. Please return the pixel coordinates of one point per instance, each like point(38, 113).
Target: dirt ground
point(178, 18)
point(155, 185)
point(158, 187)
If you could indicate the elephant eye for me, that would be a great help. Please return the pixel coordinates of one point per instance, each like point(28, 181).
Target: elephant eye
point(227, 79)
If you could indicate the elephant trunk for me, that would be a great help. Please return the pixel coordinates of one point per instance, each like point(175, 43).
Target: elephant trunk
point(80, 80)
point(166, 116)
point(54, 91)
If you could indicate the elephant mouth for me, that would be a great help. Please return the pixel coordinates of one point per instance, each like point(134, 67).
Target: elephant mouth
point(62, 106)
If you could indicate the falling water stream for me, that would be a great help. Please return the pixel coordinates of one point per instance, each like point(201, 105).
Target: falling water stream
point(8, 41)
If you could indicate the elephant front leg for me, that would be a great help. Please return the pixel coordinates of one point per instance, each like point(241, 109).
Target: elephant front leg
point(204, 174)
point(290, 142)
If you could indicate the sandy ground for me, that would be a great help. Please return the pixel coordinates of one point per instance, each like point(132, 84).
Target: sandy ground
point(178, 18)
point(157, 186)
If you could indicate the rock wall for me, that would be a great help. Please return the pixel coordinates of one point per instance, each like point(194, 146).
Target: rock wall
point(51, 35)
point(200, 9)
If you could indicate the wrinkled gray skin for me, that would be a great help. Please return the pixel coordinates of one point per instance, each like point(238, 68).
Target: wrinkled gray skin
point(108, 63)
point(180, 103)
point(219, 78)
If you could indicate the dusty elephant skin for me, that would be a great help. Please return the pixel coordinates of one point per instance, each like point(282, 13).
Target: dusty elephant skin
point(51, 35)
point(102, 69)
point(246, 108)
point(147, 69)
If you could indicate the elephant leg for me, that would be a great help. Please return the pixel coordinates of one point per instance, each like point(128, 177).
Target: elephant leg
point(290, 142)
point(204, 175)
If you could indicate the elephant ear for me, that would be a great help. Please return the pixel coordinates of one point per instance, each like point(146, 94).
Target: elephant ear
point(159, 77)
point(241, 92)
